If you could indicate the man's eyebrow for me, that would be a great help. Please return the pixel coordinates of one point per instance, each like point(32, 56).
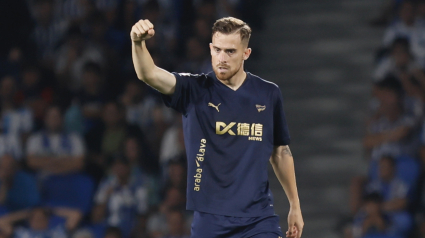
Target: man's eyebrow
point(215, 47)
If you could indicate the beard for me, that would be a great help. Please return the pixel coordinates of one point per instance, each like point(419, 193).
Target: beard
point(226, 75)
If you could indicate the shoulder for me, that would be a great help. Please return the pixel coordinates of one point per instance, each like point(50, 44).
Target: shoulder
point(200, 79)
point(262, 82)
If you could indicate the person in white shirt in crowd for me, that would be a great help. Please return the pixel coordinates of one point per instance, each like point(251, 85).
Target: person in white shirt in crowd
point(73, 55)
point(404, 26)
point(15, 120)
point(11, 145)
point(52, 150)
point(400, 61)
point(120, 198)
point(390, 131)
point(139, 104)
point(48, 31)
point(172, 144)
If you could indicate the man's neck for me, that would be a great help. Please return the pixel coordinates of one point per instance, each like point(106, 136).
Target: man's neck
point(236, 81)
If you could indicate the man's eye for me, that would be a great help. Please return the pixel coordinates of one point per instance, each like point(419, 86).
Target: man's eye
point(217, 50)
point(231, 51)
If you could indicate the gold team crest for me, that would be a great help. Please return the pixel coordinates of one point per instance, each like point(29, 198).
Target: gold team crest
point(260, 108)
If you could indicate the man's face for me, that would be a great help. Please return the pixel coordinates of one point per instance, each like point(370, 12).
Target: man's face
point(111, 115)
point(53, 119)
point(227, 54)
point(386, 169)
point(407, 13)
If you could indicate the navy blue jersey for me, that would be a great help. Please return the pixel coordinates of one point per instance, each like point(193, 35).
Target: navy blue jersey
point(229, 137)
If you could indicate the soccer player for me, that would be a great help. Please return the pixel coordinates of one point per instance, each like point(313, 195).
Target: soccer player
point(233, 123)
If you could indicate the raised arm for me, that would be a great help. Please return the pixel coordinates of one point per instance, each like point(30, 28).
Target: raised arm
point(146, 70)
point(283, 166)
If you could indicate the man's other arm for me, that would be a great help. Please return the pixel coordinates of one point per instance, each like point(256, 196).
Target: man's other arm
point(283, 166)
point(146, 70)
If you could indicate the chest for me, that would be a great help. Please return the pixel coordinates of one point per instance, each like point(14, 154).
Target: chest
point(235, 113)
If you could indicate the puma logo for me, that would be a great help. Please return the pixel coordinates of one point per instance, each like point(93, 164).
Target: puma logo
point(214, 106)
point(260, 108)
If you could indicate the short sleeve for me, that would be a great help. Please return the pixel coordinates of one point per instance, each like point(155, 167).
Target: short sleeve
point(187, 90)
point(280, 127)
point(101, 195)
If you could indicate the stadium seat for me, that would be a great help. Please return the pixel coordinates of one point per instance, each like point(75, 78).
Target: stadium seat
point(70, 190)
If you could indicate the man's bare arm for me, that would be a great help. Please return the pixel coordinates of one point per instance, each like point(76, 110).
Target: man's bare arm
point(146, 70)
point(372, 140)
point(283, 166)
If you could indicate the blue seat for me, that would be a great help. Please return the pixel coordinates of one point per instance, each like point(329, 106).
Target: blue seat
point(69, 190)
point(408, 169)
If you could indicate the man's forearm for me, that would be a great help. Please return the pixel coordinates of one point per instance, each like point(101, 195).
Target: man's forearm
point(372, 140)
point(67, 164)
point(148, 72)
point(39, 162)
point(283, 166)
point(142, 61)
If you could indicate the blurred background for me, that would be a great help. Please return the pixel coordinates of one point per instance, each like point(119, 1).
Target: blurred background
point(89, 151)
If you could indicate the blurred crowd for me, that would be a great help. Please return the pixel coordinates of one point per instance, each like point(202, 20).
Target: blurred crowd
point(389, 201)
point(86, 149)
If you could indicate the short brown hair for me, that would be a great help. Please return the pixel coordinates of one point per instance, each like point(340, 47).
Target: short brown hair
point(230, 25)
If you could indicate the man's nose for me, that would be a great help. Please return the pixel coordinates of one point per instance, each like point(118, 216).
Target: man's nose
point(222, 57)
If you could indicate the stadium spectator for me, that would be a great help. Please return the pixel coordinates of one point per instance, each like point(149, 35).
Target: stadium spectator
point(402, 27)
point(414, 97)
point(107, 139)
point(120, 198)
point(48, 30)
point(157, 222)
point(143, 166)
point(176, 225)
point(42, 222)
point(159, 126)
point(18, 189)
point(390, 130)
point(399, 62)
point(176, 175)
point(91, 96)
point(172, 144)
point(141, 230)
point(197, 60)
point(139, 104)
point(15, 119)
point(113, 232)
point(392, 189)
point(371, 220)
point(35, 93)
point(73, 56)
point(52, 150)
point(10, 144)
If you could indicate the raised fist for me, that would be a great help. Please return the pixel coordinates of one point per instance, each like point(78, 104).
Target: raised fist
point(142, 30)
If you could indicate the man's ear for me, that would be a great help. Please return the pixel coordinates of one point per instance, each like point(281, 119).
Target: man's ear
point(211, 48)
point(247, 53)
